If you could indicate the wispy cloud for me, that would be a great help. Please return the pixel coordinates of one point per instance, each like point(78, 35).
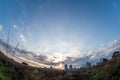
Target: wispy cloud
point(22, 38)
point(29, 34)
point(0, 27)
point(114, 5)
point(47, 49)
point(15, 26)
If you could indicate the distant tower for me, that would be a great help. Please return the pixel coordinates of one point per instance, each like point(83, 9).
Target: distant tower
point(70, 67)
point(8, 40)
point(65, 67)
point(15, 48)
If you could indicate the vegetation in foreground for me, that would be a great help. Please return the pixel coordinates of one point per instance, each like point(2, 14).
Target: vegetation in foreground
point(106, 70)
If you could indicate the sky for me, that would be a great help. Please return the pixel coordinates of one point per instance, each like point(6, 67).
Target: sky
point(59, 27)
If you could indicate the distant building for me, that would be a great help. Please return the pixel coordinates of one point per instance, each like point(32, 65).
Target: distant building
point(70, 67)
point(66, 67)
point(74, 68)
point(51, 67)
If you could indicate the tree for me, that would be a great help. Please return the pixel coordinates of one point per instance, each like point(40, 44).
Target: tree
point(24, 63)
point(116, 54)
point(103, 60)
point(88, 64)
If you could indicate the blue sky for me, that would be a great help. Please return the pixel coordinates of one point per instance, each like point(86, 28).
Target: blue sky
point(60, 26)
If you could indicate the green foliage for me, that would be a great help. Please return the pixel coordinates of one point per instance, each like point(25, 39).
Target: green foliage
point(4, 75)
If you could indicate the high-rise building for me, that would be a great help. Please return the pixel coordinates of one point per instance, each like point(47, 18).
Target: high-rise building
point(70, 67)
point(51, 67)
point(65, 67)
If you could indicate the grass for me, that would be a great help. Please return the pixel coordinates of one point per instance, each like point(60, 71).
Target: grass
point(4, 75)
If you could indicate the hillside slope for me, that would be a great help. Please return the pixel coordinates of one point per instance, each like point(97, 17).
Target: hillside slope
point(11, 70)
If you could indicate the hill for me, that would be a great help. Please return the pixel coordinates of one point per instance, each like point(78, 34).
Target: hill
point(11, 70)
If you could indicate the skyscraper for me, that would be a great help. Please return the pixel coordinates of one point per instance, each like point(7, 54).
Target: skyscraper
point(70, 67)
point(66, 67)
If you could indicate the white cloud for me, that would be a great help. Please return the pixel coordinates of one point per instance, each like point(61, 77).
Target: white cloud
point(22, 38)
point(0, 27)
point(95, 55)
point(47, 49)
point(15, 26)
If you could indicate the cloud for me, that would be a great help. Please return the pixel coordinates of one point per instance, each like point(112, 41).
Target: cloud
point(0, 27)
point(47, 49)
point(114, 5)
point(22, 38)
point(15, 26)
point(94, 55)
point(77, 58)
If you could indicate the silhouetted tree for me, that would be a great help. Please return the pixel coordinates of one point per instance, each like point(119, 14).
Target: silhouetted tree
point(103, 60)
point(24, 63)
point(88, 64)
point(116, 54)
